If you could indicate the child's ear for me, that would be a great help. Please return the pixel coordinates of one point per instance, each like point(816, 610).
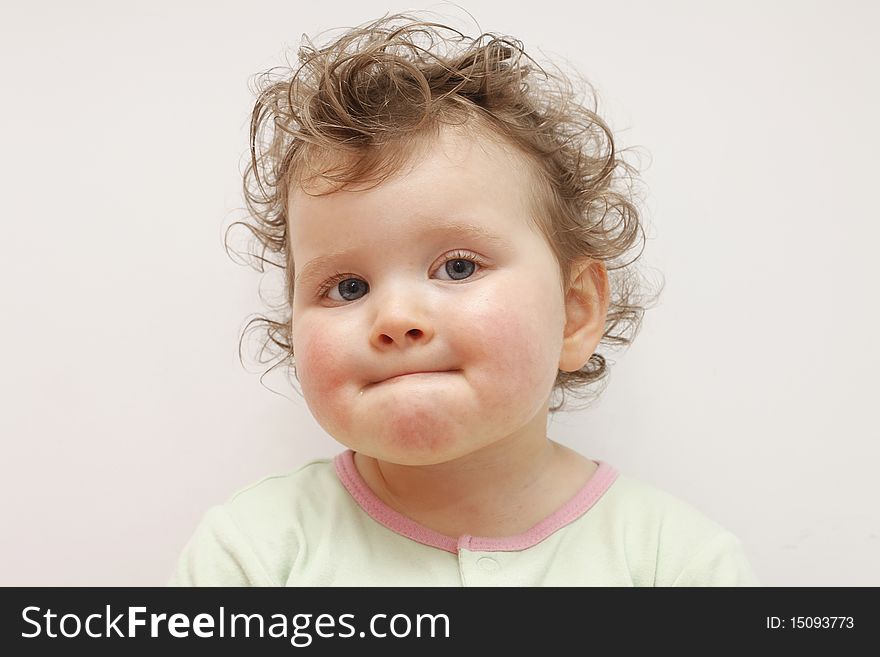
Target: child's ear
point(586, 307)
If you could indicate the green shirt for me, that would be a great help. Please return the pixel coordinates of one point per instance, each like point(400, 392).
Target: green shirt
point(320, 525)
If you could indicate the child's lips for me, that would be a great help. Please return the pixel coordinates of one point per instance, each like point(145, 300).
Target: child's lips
point(409, 375)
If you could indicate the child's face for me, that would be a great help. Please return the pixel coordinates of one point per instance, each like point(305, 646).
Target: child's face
point(408, 303)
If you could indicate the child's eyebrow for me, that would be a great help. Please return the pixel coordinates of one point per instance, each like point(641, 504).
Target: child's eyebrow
point(314, 267)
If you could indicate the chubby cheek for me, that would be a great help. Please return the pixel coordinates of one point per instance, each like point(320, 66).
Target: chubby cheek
point(322, 367)
point(514, 341)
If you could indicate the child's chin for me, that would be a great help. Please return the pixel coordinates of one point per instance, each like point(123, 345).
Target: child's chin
point(417, 449)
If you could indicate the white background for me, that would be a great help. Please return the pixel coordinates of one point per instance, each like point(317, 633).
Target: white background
point(750, 392)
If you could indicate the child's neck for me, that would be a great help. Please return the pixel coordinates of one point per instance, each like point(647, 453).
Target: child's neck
point(493, 493)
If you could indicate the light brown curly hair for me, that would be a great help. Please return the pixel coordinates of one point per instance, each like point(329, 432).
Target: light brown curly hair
point(369, 100)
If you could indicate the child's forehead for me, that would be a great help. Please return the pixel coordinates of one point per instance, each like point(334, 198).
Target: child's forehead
point(474, 152)
point(424, 193)
point(453, 185)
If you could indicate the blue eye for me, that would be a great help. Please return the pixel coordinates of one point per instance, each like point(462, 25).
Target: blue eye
point(460, 265)
point(351, 286)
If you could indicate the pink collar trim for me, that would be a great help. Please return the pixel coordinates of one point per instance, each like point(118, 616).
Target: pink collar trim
point(595, 487)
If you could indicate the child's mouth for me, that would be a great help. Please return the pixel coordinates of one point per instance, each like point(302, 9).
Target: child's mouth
point(412, 375)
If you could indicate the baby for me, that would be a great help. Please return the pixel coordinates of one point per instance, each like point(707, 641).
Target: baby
point(445, 220)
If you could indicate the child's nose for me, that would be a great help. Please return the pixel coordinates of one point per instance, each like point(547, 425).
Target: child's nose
point(402, 318)
point(400, 337)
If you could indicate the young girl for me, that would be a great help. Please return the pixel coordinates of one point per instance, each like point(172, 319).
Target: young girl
point(446, 219)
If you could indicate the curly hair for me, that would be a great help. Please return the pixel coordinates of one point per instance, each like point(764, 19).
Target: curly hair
point(369, 99)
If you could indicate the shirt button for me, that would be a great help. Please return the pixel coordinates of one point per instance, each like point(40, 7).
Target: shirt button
point(488, 564)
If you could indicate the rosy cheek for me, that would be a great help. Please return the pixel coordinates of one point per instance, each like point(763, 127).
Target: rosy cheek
point(520, 353)
point(515, 342)
point(320, 362)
